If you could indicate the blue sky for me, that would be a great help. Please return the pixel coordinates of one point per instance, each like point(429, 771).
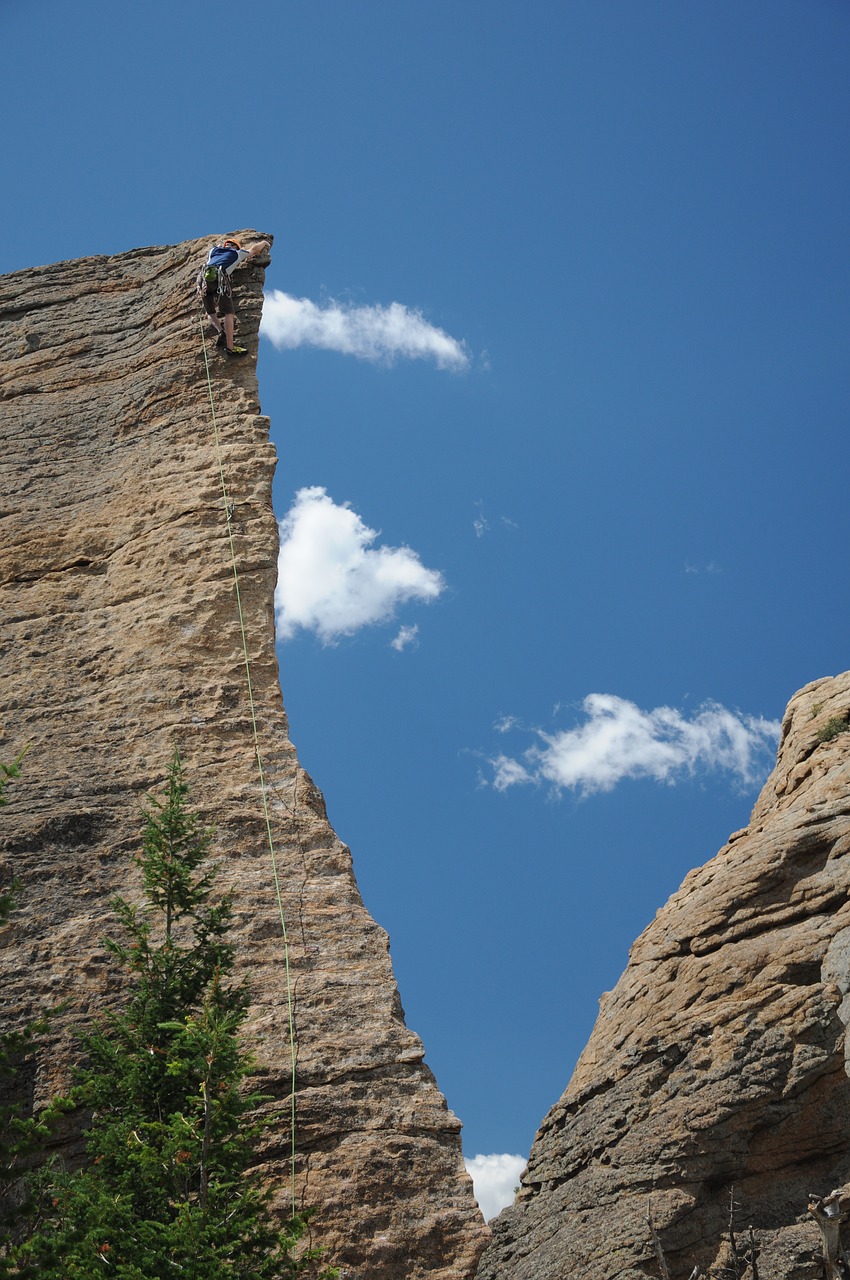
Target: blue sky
point(617, 459)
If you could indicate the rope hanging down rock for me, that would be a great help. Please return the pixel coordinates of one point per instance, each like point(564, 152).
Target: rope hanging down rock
point(228, 512)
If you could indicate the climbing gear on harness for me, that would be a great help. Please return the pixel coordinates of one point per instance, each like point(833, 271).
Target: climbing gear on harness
point(213, 280)
point(229, 508)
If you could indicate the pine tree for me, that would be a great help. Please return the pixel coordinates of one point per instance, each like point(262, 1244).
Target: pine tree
point(167, 1189)
point(20, 1134)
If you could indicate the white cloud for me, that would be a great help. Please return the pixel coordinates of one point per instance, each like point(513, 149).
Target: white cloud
point(493, 1180)
point(374, 333)
point(618, 740)
point(711, 568)
point(480, 524)
point(504, 724)
point(508, 773)
point(406, 636)
point(330, 579)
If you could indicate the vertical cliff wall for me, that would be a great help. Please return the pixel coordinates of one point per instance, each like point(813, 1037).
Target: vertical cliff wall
point(719, 1062)
point(120, 637)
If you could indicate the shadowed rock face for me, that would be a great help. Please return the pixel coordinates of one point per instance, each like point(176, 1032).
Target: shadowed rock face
point(120, 637)
point(719, 1059)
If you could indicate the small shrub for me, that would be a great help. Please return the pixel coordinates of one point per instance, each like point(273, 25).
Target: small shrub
point(832, 728)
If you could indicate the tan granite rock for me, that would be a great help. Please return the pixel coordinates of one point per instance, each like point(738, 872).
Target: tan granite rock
point(119, 636)
point(718, 1064)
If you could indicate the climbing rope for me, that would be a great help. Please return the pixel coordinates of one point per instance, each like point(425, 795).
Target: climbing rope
point(228, 510)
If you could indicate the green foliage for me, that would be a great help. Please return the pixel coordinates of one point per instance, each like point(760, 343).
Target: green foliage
point(833, 727)
point(21, 1136)
point(167, 1189)
point(7, 772)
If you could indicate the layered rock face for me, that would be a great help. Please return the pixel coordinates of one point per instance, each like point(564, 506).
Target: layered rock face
point(718, 1066)
point(120, 638)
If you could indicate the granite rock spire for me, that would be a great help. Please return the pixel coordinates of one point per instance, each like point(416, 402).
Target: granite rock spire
point(120, 638)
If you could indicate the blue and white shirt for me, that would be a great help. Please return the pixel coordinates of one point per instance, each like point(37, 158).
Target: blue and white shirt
point(227, 258)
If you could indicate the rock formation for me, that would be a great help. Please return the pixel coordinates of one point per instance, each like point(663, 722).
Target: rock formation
point(120, 637)
point(718, 1067)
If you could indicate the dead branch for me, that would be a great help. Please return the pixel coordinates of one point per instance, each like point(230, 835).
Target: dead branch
point(830, 1217)
point(659, 1252)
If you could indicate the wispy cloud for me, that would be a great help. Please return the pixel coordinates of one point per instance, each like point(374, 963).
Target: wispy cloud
point(381, 334)
point(619, 740)
point(332, 581)
point(504, 724)
point(508, 772)
point(405, 637)
point(712, 567)
point(493, 1180)
point(481, 524)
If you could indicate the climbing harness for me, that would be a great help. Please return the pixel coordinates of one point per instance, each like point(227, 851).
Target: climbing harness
point(214, 275)
point(229, 508)
point(215, 280)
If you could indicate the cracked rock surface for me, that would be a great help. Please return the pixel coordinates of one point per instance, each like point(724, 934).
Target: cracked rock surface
point(718, 1065)
point(119, 637)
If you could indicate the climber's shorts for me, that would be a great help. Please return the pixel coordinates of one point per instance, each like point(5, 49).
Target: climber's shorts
point(218, 303)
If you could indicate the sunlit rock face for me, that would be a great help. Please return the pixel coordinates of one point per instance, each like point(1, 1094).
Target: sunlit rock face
point(120, 639)
point(717, 1069)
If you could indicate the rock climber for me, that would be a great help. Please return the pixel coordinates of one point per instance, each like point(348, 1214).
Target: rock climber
point(215, 289)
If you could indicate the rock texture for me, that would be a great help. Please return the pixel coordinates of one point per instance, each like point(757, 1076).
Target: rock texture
point(720, 1059)
point(120, 637)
